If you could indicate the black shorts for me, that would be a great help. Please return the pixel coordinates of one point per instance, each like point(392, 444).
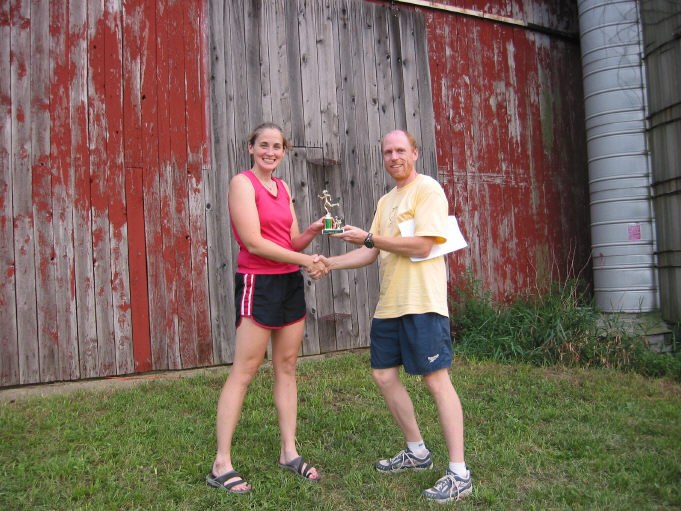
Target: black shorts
point(272, 301)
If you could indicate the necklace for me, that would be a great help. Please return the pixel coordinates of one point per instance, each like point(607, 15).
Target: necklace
point(271, 186)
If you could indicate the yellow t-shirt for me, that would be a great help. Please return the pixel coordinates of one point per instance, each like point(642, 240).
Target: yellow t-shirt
point(408, 287)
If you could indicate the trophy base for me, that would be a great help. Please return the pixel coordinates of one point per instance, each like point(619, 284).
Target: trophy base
point(331, 231)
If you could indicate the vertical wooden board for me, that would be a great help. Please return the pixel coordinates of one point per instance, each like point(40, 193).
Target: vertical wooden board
point(134, 32)
point(323, 288)
point(41, 176)
point(477, 218)
point(99, 169)
point(370, 161)
point(439, 49)
point(63, 191)
point(216, 184)
point(388, 117)
point(180, 237)
point(541, 121)
point(305, 206)
point(266, 10)
point(331, 85)
point(151, 109)
point(353, 112)
point(197, 138)
point(166, 82)
point(289, 11)
point(137, 255)
point(426, 113)
point(576, 248)
point(252, 36)
point(278, 66)
point(84, 279)
point(396, 72)
point(9, 362)
point(241, 74)
point(309, 77)
point(313, 141)
point(118, 232)
point(409, 74)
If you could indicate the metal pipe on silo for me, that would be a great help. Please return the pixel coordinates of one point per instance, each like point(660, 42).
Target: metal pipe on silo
point(622, 221)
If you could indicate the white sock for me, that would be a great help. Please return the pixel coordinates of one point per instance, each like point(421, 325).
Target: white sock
point(418, 448)
point(459, 469)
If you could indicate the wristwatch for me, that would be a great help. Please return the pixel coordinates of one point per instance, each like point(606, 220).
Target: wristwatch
point(368, 241)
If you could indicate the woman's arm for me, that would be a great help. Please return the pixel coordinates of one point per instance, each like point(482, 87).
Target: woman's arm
point(244, 214)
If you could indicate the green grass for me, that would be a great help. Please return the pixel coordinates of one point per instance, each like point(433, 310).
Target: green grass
point(536, 438)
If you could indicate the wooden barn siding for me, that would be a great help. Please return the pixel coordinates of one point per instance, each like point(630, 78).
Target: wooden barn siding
point(106, 164)
point(511, 146)
point(335, 75)
point(103, 151)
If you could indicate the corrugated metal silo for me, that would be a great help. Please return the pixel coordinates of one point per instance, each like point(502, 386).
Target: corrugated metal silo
point(622, 223)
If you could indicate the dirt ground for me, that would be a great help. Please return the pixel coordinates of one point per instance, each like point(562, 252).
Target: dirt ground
point(11, 394)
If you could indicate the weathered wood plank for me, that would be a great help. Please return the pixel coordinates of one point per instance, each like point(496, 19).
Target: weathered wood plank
point(292, 48)
point(62, 192)
point(241, 73)
point(388, 118)
point(99, 170)
point(356, 184)
point(118, 231)
point(9, 362)
point(409, 71)
point(252, 12)
point(395, 37)
point(216, 183)
point(179, 242)
point(308, 13)
point(41, 176)
point(84, 279)
point(24, 245)
point(335, 44)
point(426, 114)
point(134, 32)
point(197, 154)
point(151, 117)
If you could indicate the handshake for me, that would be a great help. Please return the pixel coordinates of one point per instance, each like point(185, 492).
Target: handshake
point(320, 267)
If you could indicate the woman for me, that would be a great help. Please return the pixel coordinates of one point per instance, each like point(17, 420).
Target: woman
point(270, 302)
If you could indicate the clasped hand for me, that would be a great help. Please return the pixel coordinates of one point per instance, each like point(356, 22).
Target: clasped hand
point(319, 267)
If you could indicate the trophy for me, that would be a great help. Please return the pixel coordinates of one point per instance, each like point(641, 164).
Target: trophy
point(332, 224)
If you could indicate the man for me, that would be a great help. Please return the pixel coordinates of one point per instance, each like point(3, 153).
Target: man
point(411, 322)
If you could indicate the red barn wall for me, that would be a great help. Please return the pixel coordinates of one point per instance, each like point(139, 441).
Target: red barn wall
point(510, 135)
point(103, 146)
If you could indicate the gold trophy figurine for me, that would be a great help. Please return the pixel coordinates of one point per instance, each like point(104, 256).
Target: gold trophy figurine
point(332, 224)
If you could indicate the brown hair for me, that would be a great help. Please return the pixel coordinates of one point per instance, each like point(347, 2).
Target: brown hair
point(266, 126)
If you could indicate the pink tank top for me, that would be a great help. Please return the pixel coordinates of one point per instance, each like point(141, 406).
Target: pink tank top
point(275, 225)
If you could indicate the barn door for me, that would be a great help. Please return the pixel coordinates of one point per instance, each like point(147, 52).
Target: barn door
point(335, 75)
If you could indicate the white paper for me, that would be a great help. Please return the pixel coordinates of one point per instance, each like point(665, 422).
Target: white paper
point(454, 237)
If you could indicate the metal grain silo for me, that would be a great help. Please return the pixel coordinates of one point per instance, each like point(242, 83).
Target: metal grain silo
point(622, 223)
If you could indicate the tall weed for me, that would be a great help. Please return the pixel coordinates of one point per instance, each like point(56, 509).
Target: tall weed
point(557, 325)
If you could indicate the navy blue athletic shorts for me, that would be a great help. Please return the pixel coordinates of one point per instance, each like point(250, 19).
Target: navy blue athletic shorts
point(422, 343)
point(272, 301)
